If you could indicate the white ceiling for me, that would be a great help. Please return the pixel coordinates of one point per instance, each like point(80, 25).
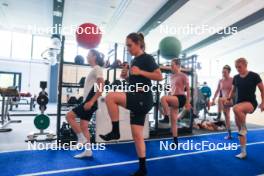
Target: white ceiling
point(215, 14)
point(116, 17)
point(120, 17)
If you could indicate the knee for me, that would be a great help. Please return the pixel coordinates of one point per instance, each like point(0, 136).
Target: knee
point(163, 100)
point(109, 97)
point(236, 109)
point(83, 126)
point(70, 116)
point(138, 137)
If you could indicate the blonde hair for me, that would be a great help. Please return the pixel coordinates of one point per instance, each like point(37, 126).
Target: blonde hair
point(242, 61)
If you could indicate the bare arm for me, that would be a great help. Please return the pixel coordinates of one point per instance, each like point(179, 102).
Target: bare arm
point(165, 67)
point(217, 91)
point(155, 75)
point(261, 89)
point(232, 93)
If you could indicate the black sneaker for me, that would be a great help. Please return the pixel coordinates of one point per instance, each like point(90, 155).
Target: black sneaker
point(165, 120)
point(110, 136)
point(139, 173)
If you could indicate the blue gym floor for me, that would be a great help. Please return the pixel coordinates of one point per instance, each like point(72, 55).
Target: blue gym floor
point(120, 159)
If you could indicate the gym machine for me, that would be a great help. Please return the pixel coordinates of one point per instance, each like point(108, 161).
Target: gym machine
point(7, 94)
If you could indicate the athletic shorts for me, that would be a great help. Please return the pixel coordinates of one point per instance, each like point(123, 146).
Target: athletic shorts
point(181, 100)
point(86, 114)
point(139, 104)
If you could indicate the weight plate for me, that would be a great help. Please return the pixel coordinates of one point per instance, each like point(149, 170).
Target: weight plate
point(41, 122)
point(42, 100)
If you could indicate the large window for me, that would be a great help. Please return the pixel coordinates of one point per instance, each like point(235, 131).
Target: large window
point(70, 51)
point(5, 43)
point(83, 52)
point(40, 44)
point(21, 46)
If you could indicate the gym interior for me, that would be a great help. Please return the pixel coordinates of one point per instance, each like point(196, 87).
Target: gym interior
point(201, 60)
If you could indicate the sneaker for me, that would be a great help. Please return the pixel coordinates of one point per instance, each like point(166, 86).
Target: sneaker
point(228, 137)
point(165, 120)
point(241, 155)
point(139, 173)
point(110, 136)
point(84, 154)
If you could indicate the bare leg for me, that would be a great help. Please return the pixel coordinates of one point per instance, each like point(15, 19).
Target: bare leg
point(174, 127)
point(138, 136)
point(85, 130)
point(241, 110)
point(165, 105)
point(113, 100)
point(220, 108)
point(71, 119)
point(227, 120)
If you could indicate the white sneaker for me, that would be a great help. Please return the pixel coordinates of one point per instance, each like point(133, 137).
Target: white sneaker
point(79, 144)
point(84, 154)
point(241, 155)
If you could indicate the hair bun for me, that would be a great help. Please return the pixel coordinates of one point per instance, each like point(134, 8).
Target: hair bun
point(141, 35)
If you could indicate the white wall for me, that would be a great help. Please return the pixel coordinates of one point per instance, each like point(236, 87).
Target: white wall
point(32, 73)
point(212, 66)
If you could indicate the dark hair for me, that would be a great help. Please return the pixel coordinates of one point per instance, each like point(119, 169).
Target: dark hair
point(176, 61)
point(227, 67)
point(99, 57)
point(137, 38)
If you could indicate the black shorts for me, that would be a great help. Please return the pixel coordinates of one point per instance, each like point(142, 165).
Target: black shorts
point(81, 112)
point(139, 104)
point(181, 100)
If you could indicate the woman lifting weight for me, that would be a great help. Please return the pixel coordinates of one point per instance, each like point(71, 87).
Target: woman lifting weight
point(143, 70)
point(223, 90)
point(244, 85)
point(176, 98)
point(86, 109)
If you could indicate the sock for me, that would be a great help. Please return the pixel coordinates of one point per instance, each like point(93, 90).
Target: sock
point(142, 164)
point(219, 115)
point(166, 117)
point(243, 149)
point(81, 137)
point(229, 131)
point(115, 127)
point(175, 139)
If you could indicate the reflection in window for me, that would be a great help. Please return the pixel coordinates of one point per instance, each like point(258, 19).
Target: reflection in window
point(5, 43)
point(40, 44)
point(21, 46)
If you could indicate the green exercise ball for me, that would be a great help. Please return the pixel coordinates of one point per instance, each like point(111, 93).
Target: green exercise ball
point(170, 47)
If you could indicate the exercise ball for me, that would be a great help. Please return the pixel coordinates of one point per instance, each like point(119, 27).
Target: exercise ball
point(79, 60)
point(88, 35)
point(170, 47)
